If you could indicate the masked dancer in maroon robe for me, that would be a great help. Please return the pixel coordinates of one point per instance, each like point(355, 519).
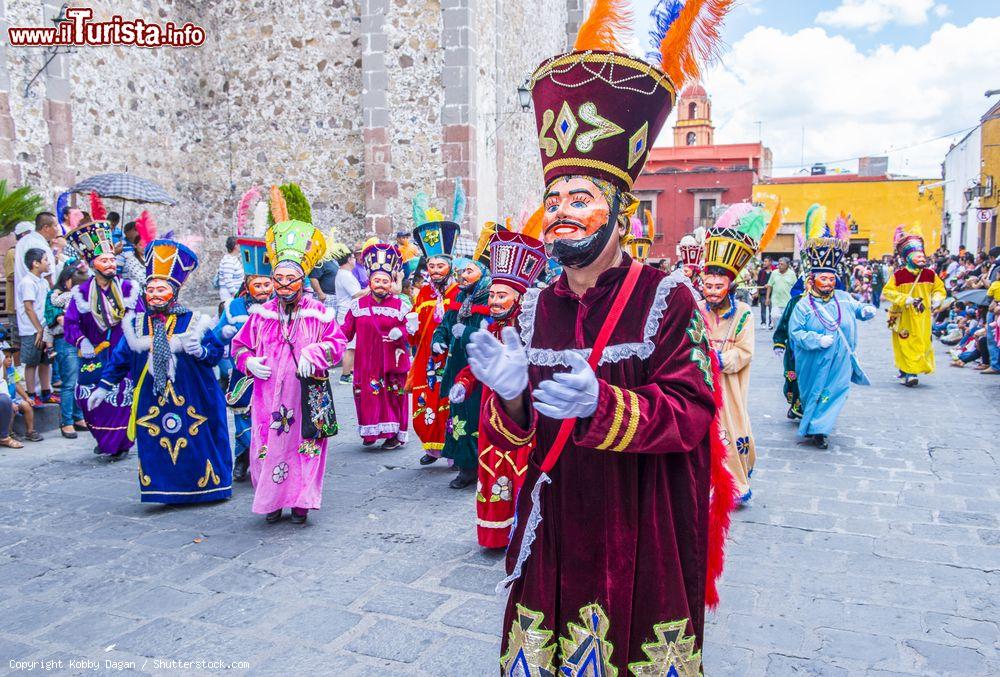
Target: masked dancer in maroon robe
point(618, 540)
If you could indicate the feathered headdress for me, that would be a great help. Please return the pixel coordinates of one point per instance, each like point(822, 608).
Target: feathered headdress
point(244, 210)
point(663, 14)
point(97, 210)
point(692, 39)
point(908, 242)
point(62, 204)
point(532, 227)
point(145, 225)
point(73, 218)
point(824, 250)
point(735, 238)
point(606, 28)
point(278, 206)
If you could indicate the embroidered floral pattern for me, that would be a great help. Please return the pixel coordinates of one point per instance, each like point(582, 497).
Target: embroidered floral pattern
point(309, 448)
point(376, 385)
point(280, 473)
point(704, 364)
point(456, 428)
point(429, 416)
point(262, 454)
point(743, 445)
point(501, 490)
point(791, 375)
point(281, 420)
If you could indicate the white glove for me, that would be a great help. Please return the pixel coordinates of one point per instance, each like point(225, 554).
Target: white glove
point(779, 353)
point(256, 366)
point(825, 341)
point(87, 349)
point(412, 323)
point(96, 398)
point(569, 395)
point(439, 348)
point(457, 330)
point(395, 334)
point(935, 304)
point(305, 368)
point(228, 332)
point(500, 366)
point(868, 312)
point(910, 300)
point(193, 347)
point(457, 393)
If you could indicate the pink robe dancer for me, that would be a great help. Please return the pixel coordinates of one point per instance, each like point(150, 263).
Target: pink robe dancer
point(380, 367)
point(286, 469)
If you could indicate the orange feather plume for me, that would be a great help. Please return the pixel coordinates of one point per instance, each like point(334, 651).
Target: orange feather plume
point(606, 26)
point(772, 227)
point(650, 226)
point(533, 226)
point(279, 210)
point(692, 39)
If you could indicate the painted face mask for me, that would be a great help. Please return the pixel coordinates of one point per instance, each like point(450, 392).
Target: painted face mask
point(579, 219)
point(469, 276)
point(502, 300)
point(105, 266)
point(159, 295)
point(260, 288)
point(438, 269)
point(824, 283)
point(715, 288)
point(916, 259)
point(381, 285)
point(288, 282)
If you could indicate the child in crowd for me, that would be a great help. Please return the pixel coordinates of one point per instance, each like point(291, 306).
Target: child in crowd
point(14, 399)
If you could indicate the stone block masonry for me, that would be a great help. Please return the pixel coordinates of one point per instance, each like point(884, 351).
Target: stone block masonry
point(362, 102)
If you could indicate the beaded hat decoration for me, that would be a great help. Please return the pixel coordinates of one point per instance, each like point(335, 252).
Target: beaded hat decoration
point(692, 247)
point(597, 109)
point(516, 259)
point(825, 250)
point(91, 240)
point(296, 242)
point(734, 239)
point(433, 233)
point(170, 261)
point(382, 258)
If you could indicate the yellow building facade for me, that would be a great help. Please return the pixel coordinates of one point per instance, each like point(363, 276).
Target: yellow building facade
point(876, 206)
point(988, 229)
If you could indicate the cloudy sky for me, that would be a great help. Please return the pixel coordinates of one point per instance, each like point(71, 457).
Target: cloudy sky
point(858, 77)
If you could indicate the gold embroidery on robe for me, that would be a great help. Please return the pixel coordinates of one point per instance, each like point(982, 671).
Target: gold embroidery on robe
point(173, 448)
point(144, 479)
point(169, 391)
point(672, 653)
point(529, 647)
point(198, 420)
point(209, 475)
point(587, 651)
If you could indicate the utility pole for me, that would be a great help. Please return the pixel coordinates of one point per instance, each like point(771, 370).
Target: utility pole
point(760, 127)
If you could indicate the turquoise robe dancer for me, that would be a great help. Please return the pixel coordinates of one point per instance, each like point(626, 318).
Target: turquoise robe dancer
point(825, 374)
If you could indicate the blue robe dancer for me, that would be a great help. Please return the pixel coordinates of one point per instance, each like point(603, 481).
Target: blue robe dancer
point(824, 330)
point(178, 411)
point(257, 288)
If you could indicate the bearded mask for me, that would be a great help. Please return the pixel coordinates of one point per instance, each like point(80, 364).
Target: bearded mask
point(288, 282)
point(438, 269)
point(260, 288)
point(824, 284)
point(916, 259)
point(503, 300)
point(159, 295)
point(716, 288)
point(105, 266)
point(381, 285)
point(469, 276)
point(580, 218)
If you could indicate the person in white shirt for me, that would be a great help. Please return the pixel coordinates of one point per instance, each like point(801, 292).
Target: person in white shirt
point(230, 272)
point(31, 294)
point(46, 230)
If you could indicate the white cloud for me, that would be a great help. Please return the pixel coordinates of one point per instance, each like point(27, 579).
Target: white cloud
point(853, 103)
point(876, 14)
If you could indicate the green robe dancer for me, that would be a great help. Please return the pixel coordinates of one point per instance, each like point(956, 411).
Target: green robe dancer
point(461, 441)
point(780, 342)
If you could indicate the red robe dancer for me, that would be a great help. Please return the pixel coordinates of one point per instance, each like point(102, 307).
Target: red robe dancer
point(436, 240)
point(516, 262)
point(618, 540)
point(382, 356)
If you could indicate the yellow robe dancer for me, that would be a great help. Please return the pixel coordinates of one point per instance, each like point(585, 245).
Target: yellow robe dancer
point(913, 292)
point(731, 335)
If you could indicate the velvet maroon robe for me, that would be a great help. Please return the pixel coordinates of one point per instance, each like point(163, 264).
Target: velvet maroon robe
point(616, 574)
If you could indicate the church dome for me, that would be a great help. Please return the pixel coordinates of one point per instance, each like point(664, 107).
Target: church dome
point(694, 90)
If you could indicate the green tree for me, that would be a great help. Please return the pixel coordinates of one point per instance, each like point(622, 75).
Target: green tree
point(17, 205)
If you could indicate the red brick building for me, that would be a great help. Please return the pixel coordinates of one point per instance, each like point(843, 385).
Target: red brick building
point(682, 185)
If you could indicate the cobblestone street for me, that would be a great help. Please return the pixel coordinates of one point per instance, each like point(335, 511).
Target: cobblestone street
point(876, 557)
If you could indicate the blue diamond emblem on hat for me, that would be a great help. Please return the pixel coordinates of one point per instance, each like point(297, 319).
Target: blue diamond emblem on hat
point(566, 126)
point(637, 145)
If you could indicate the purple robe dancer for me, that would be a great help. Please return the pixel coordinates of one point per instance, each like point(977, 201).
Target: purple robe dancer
point(93, 325)
point(286, 469)
point(380, 366)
